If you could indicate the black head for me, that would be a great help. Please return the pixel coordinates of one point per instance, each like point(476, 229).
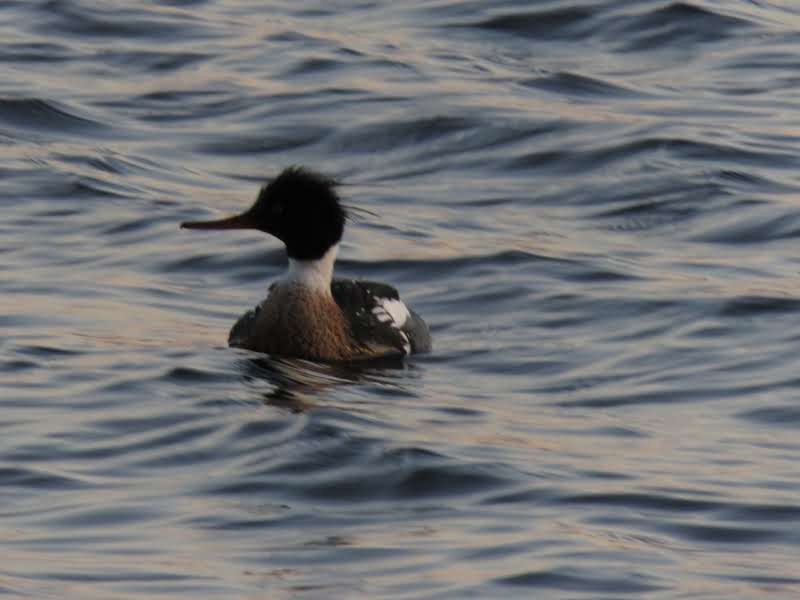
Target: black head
point(299, 207)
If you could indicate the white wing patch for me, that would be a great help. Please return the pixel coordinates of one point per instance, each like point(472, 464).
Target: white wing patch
point(391, 311)
point(395, 313)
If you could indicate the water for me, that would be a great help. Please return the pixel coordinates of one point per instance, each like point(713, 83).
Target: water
point(593, 204)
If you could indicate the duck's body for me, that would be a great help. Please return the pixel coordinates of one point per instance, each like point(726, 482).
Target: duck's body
point(308, 314)
point(358, 320)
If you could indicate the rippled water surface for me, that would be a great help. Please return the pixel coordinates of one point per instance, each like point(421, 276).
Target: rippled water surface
point(595, 205)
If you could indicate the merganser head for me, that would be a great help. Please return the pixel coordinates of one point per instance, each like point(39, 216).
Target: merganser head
point(299, 207)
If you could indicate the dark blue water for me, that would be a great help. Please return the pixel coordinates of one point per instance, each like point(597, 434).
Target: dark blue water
point(595, 205)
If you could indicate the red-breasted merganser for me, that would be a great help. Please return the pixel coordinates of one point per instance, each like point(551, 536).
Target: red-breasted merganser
point(308, 314)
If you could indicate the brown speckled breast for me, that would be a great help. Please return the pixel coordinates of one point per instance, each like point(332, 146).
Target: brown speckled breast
point(294, 322)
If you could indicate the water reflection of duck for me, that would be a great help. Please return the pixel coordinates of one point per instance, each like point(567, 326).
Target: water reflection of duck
point(308, 314)
point(300, 385)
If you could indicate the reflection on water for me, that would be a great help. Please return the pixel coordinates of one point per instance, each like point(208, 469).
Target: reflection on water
point(294, 384)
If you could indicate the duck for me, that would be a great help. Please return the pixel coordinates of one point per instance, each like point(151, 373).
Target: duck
point(308, 313)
